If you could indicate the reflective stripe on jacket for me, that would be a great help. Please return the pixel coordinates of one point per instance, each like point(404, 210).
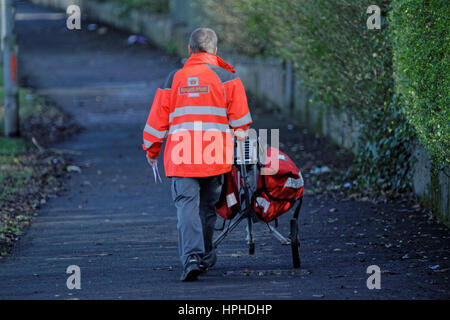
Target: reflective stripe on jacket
point(197, 107)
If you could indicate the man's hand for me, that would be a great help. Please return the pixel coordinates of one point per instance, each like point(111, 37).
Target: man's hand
point(151, 161)
point(154, 164)
point(241, 133)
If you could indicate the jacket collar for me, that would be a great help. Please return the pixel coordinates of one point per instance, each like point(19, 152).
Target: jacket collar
point(208, 58)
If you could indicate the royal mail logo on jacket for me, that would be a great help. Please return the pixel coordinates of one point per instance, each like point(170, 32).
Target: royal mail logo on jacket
point(193, 89)
point(195, 112)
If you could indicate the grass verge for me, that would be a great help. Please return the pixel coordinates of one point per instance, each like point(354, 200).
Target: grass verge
point(29, 176)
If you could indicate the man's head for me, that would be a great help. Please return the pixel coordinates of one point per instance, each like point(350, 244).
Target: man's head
point(203, 40)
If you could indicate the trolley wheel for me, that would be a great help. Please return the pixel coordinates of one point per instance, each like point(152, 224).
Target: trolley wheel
point(251, 248)
point(295, 244)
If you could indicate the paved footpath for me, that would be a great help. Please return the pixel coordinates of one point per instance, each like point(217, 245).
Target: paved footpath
point(120, 228)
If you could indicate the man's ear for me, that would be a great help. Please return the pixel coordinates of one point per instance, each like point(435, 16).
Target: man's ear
point(215, 51)
point(190, 50)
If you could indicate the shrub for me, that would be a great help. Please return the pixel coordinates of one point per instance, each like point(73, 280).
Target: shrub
point(383, 161)
point(422, 67)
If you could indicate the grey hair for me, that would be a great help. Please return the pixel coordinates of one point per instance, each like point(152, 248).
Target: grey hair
point(203, 40)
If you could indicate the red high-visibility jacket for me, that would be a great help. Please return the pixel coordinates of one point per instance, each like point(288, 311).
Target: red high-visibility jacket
point(195, 111)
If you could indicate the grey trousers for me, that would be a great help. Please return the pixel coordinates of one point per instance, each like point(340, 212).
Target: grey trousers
point(195, 200)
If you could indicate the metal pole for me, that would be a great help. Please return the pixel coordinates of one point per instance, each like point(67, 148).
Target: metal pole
point(2, 28)
point(10, 50)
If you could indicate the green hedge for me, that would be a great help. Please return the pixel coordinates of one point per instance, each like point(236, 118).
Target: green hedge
point(422, 67)
point(384, 158)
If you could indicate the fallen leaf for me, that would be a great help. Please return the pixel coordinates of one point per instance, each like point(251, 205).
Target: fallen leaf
point(73, 168)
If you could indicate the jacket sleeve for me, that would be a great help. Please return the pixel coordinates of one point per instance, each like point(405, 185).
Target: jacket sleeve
point(157, 125)
point(237, 108)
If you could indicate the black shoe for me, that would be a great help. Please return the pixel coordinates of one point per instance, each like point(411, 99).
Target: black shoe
point(192, 269)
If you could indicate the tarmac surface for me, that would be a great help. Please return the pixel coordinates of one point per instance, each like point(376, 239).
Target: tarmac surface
point(120, 228)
